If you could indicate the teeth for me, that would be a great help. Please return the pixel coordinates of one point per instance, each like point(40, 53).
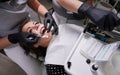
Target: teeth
point(39, 35)
point(39, 29)
point(44, 36)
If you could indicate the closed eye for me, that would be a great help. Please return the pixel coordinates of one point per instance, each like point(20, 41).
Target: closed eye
point(30, 30)
point(35, 23)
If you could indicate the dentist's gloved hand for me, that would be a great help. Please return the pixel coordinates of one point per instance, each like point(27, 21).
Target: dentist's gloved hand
point(50, 24)
point(4, 0)
point(105, 20)
point(28, 38)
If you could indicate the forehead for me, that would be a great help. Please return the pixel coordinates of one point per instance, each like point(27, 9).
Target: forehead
point(27, 25)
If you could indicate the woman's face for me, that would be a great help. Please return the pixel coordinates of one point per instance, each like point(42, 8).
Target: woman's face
point(37, 28)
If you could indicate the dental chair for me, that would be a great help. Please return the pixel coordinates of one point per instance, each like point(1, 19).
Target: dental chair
point(93, 56)
point(28, 63)
point(84, 59)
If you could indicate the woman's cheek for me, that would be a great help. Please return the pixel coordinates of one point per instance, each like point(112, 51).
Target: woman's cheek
point(46, 40)
point(49, 35)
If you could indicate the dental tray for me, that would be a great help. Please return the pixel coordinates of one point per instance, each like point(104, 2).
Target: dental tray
point(96, 49)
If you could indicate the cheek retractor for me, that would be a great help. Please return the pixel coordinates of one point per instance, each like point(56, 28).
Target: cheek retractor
point(38, 35)
point(42, 36)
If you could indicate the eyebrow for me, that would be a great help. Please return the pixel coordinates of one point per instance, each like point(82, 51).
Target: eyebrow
point(34, 23)
point(28, 29)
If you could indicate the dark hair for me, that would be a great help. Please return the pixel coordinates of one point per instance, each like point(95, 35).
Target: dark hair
point(39, 51)
point(26, 20)
point(4, 0)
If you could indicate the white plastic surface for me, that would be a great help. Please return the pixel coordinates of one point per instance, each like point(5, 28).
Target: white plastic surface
point(80, 67)
point(27, 63)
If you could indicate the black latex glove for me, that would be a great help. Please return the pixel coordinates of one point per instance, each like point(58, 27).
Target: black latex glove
point(104, 19)
point(28, 38)
point(50, 24)
point(4, 0)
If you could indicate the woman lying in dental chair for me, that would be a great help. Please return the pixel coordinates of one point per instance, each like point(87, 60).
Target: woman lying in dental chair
point(39, 49)
point(55, 48)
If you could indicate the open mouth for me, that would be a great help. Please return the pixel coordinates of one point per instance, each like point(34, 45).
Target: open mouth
point(42, 31)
